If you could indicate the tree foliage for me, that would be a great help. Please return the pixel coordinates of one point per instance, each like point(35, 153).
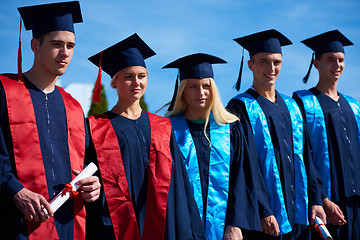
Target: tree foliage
point(143, 104)
point(98, 108)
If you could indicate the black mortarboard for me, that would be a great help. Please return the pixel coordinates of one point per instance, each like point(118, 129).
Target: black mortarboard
point(46, 18)
point(129, 52)
point(266, 41)
point(196, 66)
point(332, 41)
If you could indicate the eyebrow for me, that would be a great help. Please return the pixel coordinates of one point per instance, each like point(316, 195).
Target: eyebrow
point(135, 73)
point(60, 41)
point(333, 57)
point(267, 59)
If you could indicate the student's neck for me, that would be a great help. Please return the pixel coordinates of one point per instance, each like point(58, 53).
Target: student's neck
point(45, 82)
point(193, 114)
point(128, 110)
point(329, 88)
point(267, 92)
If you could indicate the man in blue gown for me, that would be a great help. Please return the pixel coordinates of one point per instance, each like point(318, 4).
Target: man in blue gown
point(333, 121)
point(281, 140)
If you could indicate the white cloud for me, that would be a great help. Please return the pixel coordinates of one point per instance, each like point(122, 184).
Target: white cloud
point(82, 93)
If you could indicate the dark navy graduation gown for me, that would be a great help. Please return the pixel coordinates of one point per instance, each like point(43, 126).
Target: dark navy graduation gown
point(279, 122)
point(5, 167)
point(53, 136)
point(344, 158)
point(245, 177)
point(182, 217)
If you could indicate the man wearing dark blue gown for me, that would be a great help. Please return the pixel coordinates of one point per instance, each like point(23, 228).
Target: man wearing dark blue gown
point(281, 140)
point(45, 134)
point(333, 121)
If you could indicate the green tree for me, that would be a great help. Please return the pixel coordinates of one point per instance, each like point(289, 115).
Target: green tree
point(102, 106)
point(143, 104)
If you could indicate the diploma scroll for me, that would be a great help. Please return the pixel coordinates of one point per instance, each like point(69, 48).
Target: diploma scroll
point(322, 228)
point(62, 197)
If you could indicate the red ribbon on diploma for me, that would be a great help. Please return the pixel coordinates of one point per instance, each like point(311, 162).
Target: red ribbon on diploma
point(69, 188)
point(317, 228)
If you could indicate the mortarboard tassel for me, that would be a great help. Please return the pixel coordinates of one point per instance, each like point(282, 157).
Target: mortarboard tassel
point(238, 82)
point(97, 88)
point(305, 79)
point(19, 60)
point(172, 103)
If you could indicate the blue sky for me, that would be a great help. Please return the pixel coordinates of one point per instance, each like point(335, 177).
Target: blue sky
point(180, 27)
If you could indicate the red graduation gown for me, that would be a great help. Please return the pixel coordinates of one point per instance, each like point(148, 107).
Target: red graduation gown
point(27, 151)
point(115, 184)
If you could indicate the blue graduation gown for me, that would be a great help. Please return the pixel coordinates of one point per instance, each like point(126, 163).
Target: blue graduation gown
point(344, 158)
point(245, 176)
point(182, 217)
point(279, 122)
point(52, 128)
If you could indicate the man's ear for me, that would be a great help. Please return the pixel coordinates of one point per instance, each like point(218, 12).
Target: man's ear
point(35, 44)
point(250, 64)
point(316, 63)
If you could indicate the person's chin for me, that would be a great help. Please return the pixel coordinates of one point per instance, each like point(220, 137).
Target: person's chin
point(269, 83)
point(61, 71)
point(137, 97)
point(201, 107)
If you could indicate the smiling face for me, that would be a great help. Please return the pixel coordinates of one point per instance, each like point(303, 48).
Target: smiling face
point(330, 65)
point(197, 94)
point(130, 83)
point(266, 68)
point(54, 51)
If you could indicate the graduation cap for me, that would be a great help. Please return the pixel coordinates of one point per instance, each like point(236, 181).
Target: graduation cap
point(129, 52)
point(332, 41)
point(266, 41)
point(42, 19)
point(194, 66)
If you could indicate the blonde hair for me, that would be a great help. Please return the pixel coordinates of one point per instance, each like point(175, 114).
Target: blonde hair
point(221, 115)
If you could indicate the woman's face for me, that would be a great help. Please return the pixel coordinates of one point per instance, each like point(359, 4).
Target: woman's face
point(131, 83)
point(197, 94)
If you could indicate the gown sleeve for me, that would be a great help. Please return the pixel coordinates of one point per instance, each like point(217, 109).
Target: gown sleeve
point(316, 193)
point(238, 108)
point(5, 166)
point(10, 183)
point(313, 177)
point(98, 221)
point(247, 193)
